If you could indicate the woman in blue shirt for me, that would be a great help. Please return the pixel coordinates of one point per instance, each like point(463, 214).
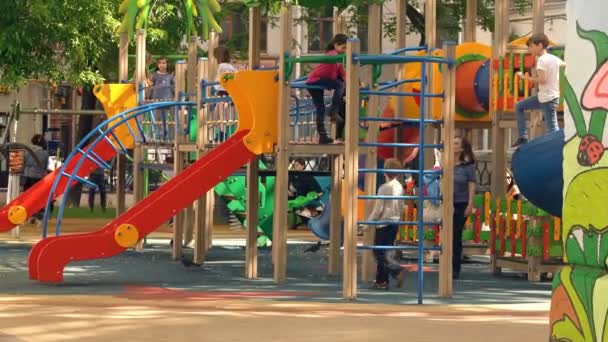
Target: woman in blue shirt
point(464, 192)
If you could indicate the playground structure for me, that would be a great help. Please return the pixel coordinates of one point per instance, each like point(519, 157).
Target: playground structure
point(135, 128)
point(291, 136)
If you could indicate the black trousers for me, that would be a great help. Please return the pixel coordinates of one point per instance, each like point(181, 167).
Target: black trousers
point(99, 180)
point(458, 227)
point(337, 104)
point(385, 237)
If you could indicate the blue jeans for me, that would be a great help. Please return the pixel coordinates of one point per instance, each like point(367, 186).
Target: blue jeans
point(549, 109)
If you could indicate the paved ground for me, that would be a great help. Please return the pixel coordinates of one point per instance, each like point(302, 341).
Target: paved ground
point(165, 301)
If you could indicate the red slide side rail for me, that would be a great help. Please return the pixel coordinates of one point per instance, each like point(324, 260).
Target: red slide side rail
point(35, 198)
point(49, 257)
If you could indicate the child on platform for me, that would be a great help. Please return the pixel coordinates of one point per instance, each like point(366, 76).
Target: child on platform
point(547, 78)
point(388, 210)
point(329, 76)
point(222, 55)
point(162, 81)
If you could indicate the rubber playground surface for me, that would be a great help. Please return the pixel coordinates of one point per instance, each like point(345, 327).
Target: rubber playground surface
point(144, 296)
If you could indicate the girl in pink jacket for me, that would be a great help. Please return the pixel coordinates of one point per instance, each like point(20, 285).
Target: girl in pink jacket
point(329, 76)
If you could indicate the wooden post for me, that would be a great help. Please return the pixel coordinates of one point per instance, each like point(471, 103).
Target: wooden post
point(121, 160)
point(351, 155)
point(339, 25)
point(335, 219)
point(536, 126)
point(279, 238)
point(138, 151)
point(212, 44)
point(178, 164)
point(400, 42)
point(470, 26)
point(430, 18)
point(499, 47)
point(253, 192)
point(374, 46)
point(447, 185)
point(200, 207)
point(191, 87)
point(538, 16)
point(14, 180)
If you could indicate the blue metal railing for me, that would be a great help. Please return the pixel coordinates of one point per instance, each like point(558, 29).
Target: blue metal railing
point(103, 131)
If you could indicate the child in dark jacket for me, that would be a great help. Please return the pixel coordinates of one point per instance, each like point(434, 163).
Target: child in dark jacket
point(329, 76)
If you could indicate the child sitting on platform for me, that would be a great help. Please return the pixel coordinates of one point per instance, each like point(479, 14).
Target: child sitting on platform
point(329, 76)
point(388, 210)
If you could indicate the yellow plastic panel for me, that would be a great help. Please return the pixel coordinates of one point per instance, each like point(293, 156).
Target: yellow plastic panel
point(117, 98)
point(255, 96)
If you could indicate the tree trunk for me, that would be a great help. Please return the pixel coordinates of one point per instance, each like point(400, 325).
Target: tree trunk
point(85, 125)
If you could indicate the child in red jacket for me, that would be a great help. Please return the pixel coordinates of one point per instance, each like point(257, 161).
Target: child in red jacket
point(329, 76)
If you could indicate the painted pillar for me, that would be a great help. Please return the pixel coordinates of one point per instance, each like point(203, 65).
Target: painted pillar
point(579, 306)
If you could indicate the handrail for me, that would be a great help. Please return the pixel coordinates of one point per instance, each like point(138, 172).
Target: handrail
point(110, 124)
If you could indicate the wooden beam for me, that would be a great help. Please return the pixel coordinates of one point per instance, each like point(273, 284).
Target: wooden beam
point(400, 42)
point(121, 160)
point(200, 206)
point(538, 16)
point(339, 23)
point(349, 279)
point(430, 19)
point(430, 23)
point(374, 47)
point(138, 151)
point(447, 185)
point(251, 262)
point(255, 37)
point(191, 85)
point(210, 201)
point(253, 197)
point(470, 23)
point(279, 238)
point(178, 164)
point(499, 47)
point(335, 219)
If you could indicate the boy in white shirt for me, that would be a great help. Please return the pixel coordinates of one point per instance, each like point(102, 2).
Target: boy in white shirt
point(389, 210)
point(547, 78)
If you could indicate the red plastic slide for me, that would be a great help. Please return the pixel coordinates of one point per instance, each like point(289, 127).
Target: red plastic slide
point(49, 257)
point(35, 198)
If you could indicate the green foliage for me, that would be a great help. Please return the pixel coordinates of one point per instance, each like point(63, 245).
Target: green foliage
point(55, 40)
point(194, 13)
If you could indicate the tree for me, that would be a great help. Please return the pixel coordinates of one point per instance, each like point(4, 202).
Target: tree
point(450, 13)
point(55, 40)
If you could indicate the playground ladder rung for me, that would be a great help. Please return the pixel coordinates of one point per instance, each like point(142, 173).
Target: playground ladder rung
point(401, 94)
point(404, 171)
point(92, 156)
point(407, 49)
point(112, 144)
point(404, 120)
point(393, 84)
point(401, 223)
point(135, 137)
point(303, 85)
point(402, 248)
point(404, 197)
point(141, 130)
point(80, 179)
point(377, 144)
point(122, 147)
